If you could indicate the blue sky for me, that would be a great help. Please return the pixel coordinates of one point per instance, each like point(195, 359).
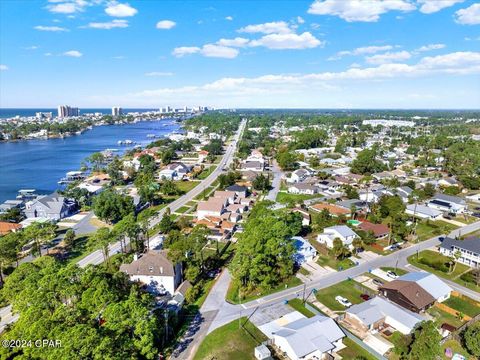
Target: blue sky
point(296, 54)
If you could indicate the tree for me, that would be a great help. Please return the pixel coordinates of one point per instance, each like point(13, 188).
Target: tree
point(265, 250)
point(472, 339)
point(339, 249)
point(261, 183)
point(426, 342)
point(367, 163)
point(455, 256)
point(128, 228)
point(167, 224)
point(111, 206)
point(147, 163)
point(114, 170)
point(287, 160)
point(96, 161)
point(102, 238)
point(69, 238)
point(169, 188)
point(12, 215)
point(8, 252)
point(168, 156)
point(228, 179)
point(215, 147)
point(429, 190)
point(357, 244)
point(41, 234)
point(351, 192)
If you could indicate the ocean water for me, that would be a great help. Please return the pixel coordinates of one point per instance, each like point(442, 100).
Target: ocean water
point(39, 164)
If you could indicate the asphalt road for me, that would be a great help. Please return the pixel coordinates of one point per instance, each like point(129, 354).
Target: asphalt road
point(96, 257)
point(276, 182)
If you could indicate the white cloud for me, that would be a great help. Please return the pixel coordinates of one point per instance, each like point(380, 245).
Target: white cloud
point(50, 28)
point(432, 6)
point(359, 10)
point(361, 51)
point(389, 57)
point(3, 67)
point(300, 20)
point(165, 24)
point(229, 18)
point(47, 54)
point(208, 50)
point(237, 42)
point(185, 50)
point(467, 38)
point(288, 41)
point(212, 50)
point(158, 73)
point(116, 9)
point(73, 53)
point(279, 27)
point(430, 47)
point(117, 23)
point(118, 57)
point(33, 47)
point(468, 16)
point(67, 6)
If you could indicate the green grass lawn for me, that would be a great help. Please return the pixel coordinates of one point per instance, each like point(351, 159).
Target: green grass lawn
point(303, 271)
point(444, 317)
point(433, 257)
point(346, 289)
point(427, 230)
point(284, 197)
point(456, 348)
point(297, 304)
point(233, 291)
point(326, 260)
point(186, 186)
point(182, 209)
point(207, 171)
point(397, 271)
point(231, 342)
point(464, 305)
point(353, 350)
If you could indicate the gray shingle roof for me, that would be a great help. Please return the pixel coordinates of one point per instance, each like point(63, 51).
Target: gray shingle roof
point(470, 244)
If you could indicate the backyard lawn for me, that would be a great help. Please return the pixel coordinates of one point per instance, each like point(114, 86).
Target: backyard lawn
point(233, 291)
point(444, 317)
point(456, 347)
point(463, 304)
point(284, 197)
point(348, 289)
point(231, 342)
point(353, 351)
point(438, 264)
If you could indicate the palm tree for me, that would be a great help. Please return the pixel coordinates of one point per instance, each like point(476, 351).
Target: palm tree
point(102, 238)
point(357, 243)
point(455, 256)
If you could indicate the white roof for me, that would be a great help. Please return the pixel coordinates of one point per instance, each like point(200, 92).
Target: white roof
point(425, 210)
point(429, 282)
point(343, 230)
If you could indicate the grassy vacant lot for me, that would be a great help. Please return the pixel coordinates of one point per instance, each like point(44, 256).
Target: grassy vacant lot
point(231, 342)
point(353, 350)
point(348, 289)
point(429, 229)
point(444, 317)
point(233, 291)
point(438, 264)
point(284, 197)
point(206, 172)
point(186, 186)
point(465, 305)
point(297, 304)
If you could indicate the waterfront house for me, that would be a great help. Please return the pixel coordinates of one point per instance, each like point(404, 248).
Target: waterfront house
point(469, 249)
point(155, 271)
point(416, 291)
point(54, 207)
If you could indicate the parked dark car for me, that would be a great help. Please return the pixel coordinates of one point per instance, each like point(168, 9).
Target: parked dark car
point(365, 297)
point(477, 214)
point(377, 282)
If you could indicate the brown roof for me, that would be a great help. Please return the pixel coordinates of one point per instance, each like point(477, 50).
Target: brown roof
point(153, 263)
point(412, 291)
point(212, 204)
point(332, 209)
point(377, 229)
point(6, 227)
point(224, 194)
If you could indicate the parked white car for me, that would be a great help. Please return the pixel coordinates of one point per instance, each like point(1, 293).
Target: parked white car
point(343, 301)
point(391, 274)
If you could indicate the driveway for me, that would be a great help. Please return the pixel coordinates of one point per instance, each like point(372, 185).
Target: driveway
point(276, 182)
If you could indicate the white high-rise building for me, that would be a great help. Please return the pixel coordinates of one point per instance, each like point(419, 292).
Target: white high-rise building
point(117, 111)
point(67, 111)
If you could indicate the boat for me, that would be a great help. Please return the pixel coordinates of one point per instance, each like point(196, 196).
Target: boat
point(151, 136)
point(72, 176)
point(26, 194)
point(125, 142)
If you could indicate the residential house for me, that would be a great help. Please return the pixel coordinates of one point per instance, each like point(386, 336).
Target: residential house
point(211, 207)
point(155, 271)
point(333, 209)
point(448, 203)
point(53, 206)
point(174, 171)
point(423, 212)
point(241, 191)
point(7, 227)
point(229, 196)
point(416, 291)
point(298, 175)
point(300, 337)
point(342, 232)
point(304, 250)
point(302, 188)
point(380, 231)
point(404, 192)
point(358, 205)
point(469, 249)
point(379, 313)
point(448, 181)
point(256, 166)
point(305, 216)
